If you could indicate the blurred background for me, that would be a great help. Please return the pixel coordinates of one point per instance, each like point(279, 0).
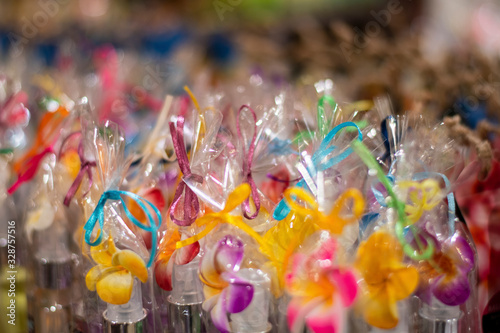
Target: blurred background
point(407, 48)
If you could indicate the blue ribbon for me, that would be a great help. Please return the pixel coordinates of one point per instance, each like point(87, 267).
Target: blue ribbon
point(98, 216)
point(282, 209)
point(281, 147)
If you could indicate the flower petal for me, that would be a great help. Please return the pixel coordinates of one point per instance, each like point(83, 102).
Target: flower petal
point(210, 292)
point(297, 312)
point(239, 295)
point(377, 255)
point(210, 302)
point(96, 273)
point(403, 282)
point(346, 285)
point(219, 314)
point(208, 272)
point(163, 273)
point(103, 252)
point(164, 263)
point(324, 319)
point(132, 262)
point(115, 288)
point(155, 196)
point(381, 310)
point(463, 251)
point(229, 254)
point(452, 290)
point(187, 253)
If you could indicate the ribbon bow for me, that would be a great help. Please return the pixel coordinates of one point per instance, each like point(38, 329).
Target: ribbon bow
point(247, 166)
point(98, 216)
point(332, 222)
point(191, 203)
point(211, 220)
point(282, 209)
point(85, 168)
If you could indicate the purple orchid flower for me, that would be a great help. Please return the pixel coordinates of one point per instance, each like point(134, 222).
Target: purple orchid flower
point(225, 291)
point(445, 275)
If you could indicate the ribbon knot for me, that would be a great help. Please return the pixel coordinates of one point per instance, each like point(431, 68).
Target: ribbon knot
point(98, 217)
point(333, 222)
point(212, 220)
point(191, 202)
point(247, 166)
point(319, 163)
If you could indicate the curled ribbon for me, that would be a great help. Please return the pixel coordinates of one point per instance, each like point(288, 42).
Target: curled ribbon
point(212, 220)
point(282, 209)
point(416, 254)
point(85, 168)
point(98, 216)
point(247, 166)
point(29, 169)
point(449, 196)
point(332, 222)
point(191, 203)
point(425, 195)
point(47, 134)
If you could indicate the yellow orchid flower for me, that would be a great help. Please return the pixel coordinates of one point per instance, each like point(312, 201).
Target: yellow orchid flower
point(386, 279)
point(113, 276)
point(424, 196)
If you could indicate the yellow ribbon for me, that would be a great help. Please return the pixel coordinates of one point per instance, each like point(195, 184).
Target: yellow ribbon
point(212, 220)
point(333, 222)
point(424, 196)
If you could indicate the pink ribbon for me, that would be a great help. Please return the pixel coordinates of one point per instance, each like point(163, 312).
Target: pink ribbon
point(247, 166)
point(30, 169)
point(191, 203)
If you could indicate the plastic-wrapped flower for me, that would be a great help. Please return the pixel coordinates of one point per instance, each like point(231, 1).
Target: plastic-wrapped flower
point(423, 196)
point(320, 290)
point(445, 275)
point(386, 279)
point(113, 277)
point(168, 255)
point(225, 292)
point(154, 196)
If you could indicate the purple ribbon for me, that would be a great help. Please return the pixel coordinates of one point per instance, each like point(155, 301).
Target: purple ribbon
point(191, 203)
point(247, 166)
point(85, 168)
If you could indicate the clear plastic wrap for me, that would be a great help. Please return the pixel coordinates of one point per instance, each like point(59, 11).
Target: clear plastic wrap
point(119, 257)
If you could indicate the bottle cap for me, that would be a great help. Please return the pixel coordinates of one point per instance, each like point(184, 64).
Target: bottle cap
point(187, 288)
point(111, 326)
point(439, 318)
